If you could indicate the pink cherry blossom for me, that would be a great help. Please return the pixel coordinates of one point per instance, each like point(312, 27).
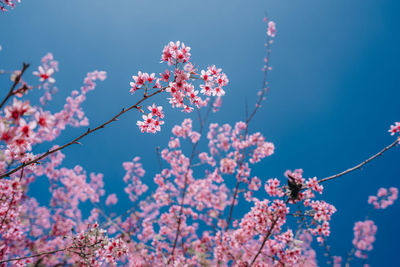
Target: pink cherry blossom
point(364, 237)
point(395, 128)
point(384, 198)
point(45, 74)
point(271, 29)
point(186, 213)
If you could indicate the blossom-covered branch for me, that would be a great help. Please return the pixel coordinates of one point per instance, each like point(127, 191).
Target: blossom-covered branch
point(271, 32)
point(17, 79)
point(183, 93)
point(186, 218)
point(75, 141)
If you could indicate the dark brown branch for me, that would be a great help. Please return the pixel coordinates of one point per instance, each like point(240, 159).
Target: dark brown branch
point(362, 163)
point(75, 141)
point(267, 236)
point(16, 81)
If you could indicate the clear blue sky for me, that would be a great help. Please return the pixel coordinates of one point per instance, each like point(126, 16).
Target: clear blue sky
point(334, 86)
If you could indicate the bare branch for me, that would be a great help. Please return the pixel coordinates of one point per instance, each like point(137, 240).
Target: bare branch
point(361, 164)
point(16, 81)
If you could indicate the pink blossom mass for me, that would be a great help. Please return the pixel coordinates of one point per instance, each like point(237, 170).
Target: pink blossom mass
point(205, 199)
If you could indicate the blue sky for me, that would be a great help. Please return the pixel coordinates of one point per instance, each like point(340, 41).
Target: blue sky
point(334, 86)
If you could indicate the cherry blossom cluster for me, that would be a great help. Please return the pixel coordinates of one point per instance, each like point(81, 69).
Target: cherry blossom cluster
point(49, 66)
point(364, 237)
point(364, 231)
point(178, 82)
point(134, 172)
point(189, 216)
point(264, 217)
point(207, 198)
point(337, 261)
point(10, 196)
point(4, 4)
point(313, 184)
point(272, 187)
point(23, 125)
point(231, 141)
point(271, 33)
point(152, 121)
point(271, 27)
point(96, 248)
point(26, 224)
point(320, 211)
point(384, 198)
point(395, 128)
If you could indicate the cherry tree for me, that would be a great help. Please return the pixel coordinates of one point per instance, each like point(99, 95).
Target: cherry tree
point(189, 218)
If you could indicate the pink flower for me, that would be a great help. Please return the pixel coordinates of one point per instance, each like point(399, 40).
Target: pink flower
point(7, 3)
point(364, 237)
point(18, 109)
point(394, 128)
point(205, 75)
point(150, 125)
point(140, 79)
point(175, 52)
point(111, 200)
point(206, 89)
point(165, 76)
point(272, 187)
point(384, 198)
point(45, 74)
point(156, 111)
point(314, 185)
point(195, 137)
point(26, 129)
point(227, 165)
point(271, 29)
point(151, 78)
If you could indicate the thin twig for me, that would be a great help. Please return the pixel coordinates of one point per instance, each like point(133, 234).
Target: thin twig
point(194, 147)
point(264, 90)
point(16, 81)
point(267, 236)
point(362, 163)
point(36, 255)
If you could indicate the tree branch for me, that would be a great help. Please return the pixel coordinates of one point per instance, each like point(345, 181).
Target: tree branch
point(16, 81)
point(202, 123)
point(263, 91)
point(75, 141)
point(267, 236)
point(361, 164)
